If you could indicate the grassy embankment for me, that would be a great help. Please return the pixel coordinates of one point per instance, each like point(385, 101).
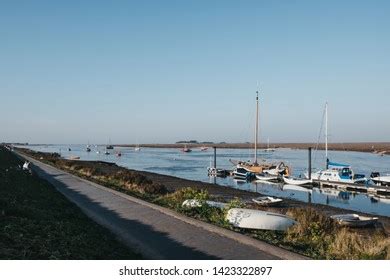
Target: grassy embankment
point(315, 235)
point(37, 222)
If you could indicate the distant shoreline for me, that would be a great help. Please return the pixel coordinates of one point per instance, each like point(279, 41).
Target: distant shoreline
point(382, 148)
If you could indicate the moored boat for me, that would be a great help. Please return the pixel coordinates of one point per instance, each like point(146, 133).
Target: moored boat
point(380, 180)
point(266, 177)
point(297, 181)
point(186, 150)
point(212, 171)
point(243, 174)
point(255, 166)
point(338, 173)
point(335, 173)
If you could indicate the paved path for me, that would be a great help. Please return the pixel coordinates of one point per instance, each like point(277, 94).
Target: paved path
point(154, 231)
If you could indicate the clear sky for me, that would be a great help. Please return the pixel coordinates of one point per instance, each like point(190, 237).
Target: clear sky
point(163, 71)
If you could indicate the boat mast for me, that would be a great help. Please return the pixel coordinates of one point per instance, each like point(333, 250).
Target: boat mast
point(257, 125)
point(326, 134)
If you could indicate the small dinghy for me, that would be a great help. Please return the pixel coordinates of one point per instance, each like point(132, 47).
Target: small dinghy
point(354, 220)
point(74, 157)
point(296, 181)
point(266, 177)
point(256, 219)
point(193, 203)
point(267, 201)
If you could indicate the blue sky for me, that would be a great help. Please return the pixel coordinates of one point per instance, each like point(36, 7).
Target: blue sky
point(163, 71)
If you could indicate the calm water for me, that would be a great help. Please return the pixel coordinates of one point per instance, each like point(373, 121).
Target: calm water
point(193, 166)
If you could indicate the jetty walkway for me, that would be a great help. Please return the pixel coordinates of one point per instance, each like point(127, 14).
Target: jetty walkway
point(154, 231)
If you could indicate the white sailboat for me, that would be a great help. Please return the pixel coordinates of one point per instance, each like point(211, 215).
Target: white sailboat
point(335, 172)
point(268, 150)
point(245, 168)
point(137, 148)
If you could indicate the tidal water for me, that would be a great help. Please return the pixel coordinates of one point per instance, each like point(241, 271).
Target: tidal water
point(194, 165)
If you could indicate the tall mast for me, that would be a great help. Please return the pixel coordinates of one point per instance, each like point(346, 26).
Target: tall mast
point(257, 125)
point(326, 133)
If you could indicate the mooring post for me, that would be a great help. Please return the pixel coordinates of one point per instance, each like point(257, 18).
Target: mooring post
point(215, 157)
point(309, 172)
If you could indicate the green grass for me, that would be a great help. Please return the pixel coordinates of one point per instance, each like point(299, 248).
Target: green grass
point(37, 222)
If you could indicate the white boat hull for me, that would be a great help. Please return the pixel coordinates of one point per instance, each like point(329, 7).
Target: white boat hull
point(194, 203)
point(266, 177)
point(267, 201)
point(382, 180)
point(354, 220)
point(256, 219)
point(297, 181)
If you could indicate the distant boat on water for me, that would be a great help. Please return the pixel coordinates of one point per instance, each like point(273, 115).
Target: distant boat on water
point(204, 148)
point(137, 148)
point(109, 146)
point(186, 150)
point(268, 150)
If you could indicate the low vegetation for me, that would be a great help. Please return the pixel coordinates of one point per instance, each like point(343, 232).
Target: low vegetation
point(37, 222)
point(315, 235)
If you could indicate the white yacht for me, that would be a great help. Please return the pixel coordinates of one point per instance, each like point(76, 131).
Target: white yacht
point(338, 173)
point(335, 172)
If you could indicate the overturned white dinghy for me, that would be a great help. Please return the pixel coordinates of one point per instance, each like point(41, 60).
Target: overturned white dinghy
point(267, 200)
point(256, 219)
point(193, 203)
point(354, 220)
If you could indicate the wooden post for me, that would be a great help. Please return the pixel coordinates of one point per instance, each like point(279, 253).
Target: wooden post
point(215, 157)
point(309, 171)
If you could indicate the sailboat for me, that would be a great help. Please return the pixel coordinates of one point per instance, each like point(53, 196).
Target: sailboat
point(109, 146)
point(268, 150)
point(248, 169)
point(335, 172)
point(88, 147)
point(137, 148)
point(186, 150)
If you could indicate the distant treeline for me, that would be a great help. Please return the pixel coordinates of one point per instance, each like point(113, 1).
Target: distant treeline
point(195, 142)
